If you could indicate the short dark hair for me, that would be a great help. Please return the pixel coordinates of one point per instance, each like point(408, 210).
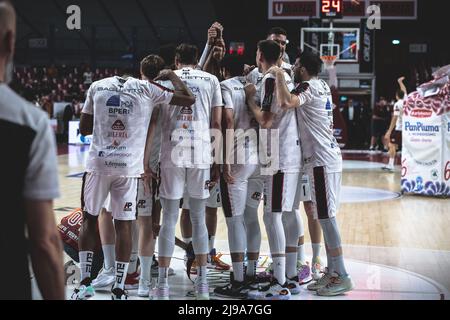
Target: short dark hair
point(400, 93)
point(233, 64)
point(311, 62)
point(277, 30)
point(270, 49)
point(186, 54)
point(151, 65)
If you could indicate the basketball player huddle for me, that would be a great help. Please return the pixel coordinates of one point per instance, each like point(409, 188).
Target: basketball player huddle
point(158, 140)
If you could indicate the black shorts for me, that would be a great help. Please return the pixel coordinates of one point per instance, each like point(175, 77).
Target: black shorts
point(378, 128)
point(396, 138)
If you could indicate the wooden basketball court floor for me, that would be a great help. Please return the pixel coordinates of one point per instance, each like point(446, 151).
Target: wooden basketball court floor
point(397, 247)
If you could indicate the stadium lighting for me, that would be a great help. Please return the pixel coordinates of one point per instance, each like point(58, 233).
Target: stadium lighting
point(395, 42)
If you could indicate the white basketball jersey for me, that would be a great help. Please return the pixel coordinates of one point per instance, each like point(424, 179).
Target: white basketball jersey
point(186, 139)
point(121, 109)
point(285, 122)
point(246, 141)
point(315, 120)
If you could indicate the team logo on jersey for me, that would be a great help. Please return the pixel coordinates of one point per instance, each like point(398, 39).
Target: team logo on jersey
point(186, 110)
point(117, 106)
point(118, 125)
point(114, 101)
point(115, 134)
point(128, 206)
point(256, 196)
point(142, 204)
point(116, 146)
point(328, 105)
point(101, 154)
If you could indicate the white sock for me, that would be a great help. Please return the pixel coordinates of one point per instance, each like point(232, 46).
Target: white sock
point(121, 274)
point(85, 263)
point(201, 271)
point(238, 271)
point(251, 268)
point(163, 275)
point(109, 255)
point(146, 265)
point(291, 264)
point(316, 251)
point(133, 263)
point(301, 254)
point(187, 240)
point(211, 242)
point(391, 162)
point(279, 269)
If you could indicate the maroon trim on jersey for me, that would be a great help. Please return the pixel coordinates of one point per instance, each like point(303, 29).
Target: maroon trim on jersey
point(320, 192)
point(161, 86)
point(277, 192)
point(226, 203)
point(269, 89)
point(300, 88)
point(82, 190)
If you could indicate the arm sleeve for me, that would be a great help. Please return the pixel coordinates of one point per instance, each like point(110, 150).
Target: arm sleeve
point(41, 180)
point(204, 56)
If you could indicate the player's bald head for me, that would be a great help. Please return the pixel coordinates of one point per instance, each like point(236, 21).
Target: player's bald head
point(7, 27)
point(7, 17)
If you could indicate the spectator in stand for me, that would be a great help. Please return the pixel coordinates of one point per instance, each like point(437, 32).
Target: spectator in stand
point(52, 72)
point(379, 124)
point(87, 77)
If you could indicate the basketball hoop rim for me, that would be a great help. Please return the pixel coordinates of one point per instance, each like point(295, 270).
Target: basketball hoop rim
point(328, 61)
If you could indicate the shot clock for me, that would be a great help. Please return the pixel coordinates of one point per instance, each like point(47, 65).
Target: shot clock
point(331, 9)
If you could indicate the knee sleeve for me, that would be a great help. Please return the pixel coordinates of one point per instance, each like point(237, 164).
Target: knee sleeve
point(331, 233)
point(237, 237)
point(253, 229)
point(166, 241)
point(275, 232)
point(198, 221)
point(292, 227)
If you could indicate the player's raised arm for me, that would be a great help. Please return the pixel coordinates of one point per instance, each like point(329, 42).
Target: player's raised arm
point(182, 96)
point(402, 85)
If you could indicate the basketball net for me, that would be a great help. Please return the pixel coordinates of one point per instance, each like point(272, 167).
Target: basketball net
point(329, 61)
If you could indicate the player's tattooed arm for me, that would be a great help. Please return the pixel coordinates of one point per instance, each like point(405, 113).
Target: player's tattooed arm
point(264, 118)
point(86, 124)
point(182, 95)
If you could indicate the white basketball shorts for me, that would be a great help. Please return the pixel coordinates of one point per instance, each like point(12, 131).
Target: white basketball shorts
point(123, 191)
point(174, 181)
point(325, 192)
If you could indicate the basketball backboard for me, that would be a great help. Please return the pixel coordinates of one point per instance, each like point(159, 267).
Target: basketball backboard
point(341, 42)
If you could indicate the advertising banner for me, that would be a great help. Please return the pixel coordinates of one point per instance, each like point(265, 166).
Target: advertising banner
point(426, 142)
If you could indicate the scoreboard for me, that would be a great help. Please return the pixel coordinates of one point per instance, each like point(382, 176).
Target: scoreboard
point(331, 9)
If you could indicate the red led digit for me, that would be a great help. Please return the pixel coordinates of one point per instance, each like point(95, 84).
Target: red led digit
point(326, 5)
